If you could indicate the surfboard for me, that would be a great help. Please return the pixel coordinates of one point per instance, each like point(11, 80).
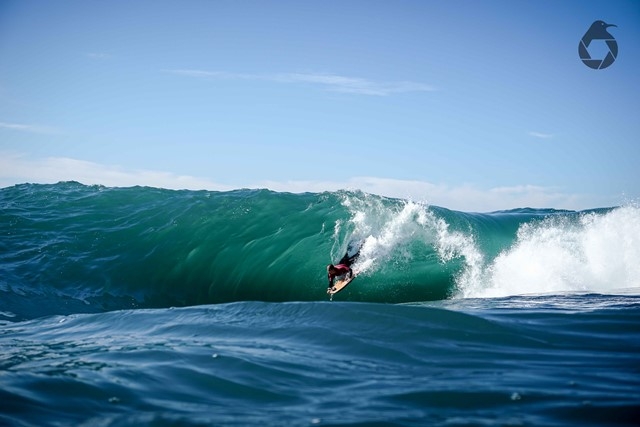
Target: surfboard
point(340, 285)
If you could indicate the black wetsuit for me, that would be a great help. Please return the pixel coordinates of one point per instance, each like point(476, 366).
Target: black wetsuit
point(348, 260)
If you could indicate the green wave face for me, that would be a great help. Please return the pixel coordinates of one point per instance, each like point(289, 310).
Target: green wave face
point(88, 248)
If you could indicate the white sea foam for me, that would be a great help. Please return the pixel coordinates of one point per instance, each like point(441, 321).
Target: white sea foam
point(387, 231)
point(598, 253)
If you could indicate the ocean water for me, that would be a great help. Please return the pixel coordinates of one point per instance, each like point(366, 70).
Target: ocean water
point(150, 307)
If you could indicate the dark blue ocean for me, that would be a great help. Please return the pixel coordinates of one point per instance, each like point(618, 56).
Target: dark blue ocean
point(150, 307)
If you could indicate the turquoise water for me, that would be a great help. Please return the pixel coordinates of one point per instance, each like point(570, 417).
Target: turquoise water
point(144, 306)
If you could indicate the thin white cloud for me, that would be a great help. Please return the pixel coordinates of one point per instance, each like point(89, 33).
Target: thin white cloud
point(14, 126)
point(331, 82)
point(355, 85)
point(99, 55)
point(18, 168)
point(214, 74)
point(541, 135)
point(21, 127)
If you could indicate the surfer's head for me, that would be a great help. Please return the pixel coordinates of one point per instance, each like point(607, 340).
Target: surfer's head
point(331, 268)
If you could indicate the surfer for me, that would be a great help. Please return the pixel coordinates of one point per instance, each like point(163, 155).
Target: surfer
point(343, 267)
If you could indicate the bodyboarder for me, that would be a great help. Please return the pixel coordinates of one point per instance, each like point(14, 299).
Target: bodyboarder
point(342, 268)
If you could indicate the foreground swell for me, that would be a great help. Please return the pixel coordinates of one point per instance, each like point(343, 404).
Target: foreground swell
point(328, 363)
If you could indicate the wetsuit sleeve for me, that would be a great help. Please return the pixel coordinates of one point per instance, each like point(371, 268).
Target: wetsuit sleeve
point(330, 280)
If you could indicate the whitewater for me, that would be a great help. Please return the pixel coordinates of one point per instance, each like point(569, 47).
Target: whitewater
point(145, 306)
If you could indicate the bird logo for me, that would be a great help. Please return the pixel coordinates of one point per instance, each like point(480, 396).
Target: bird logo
point(598, 31)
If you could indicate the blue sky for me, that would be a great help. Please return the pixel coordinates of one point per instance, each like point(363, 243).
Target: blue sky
point(464, 104)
